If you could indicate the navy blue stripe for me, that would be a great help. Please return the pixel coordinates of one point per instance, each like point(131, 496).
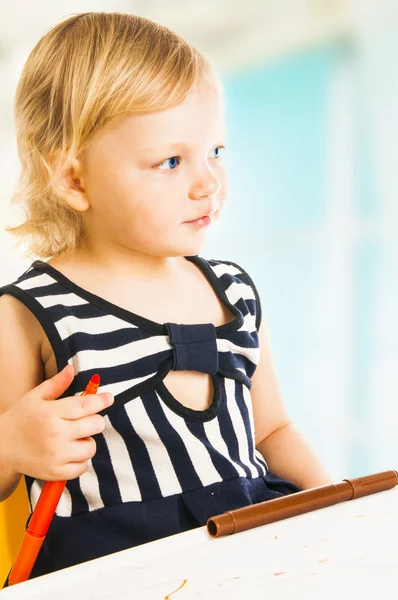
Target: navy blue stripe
point(237, 375)
point(228, 278)
point(139, 368)
point(246, 306)
point(107, 480)
point(175, 446)
point(139, 456)
point(79, 502)
point(51, 289)
point(80, 311)
point(240, 401)
point(228, 360)
point(229, 434)
point(251, 305)
point(244, 339)
point(224, 466)
point(29, 274)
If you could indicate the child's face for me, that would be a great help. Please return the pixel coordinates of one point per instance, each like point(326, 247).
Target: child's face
point(146, 176)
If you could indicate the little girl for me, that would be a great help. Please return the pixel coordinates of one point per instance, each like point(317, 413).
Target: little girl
point(120, 135)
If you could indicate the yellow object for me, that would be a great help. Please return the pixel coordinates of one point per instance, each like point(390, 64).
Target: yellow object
point(14, 514)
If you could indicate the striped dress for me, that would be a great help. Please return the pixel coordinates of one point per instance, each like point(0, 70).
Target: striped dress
point(160, 467)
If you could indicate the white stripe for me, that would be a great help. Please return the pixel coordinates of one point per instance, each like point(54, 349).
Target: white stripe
point(224, 345)
point(260, 460)
point(64, 508)
point(122, 386)
point(197, 452)
point(90, 488)
point(249, 323)
point(121, 462)
point(36, 282)
point(238, 290)
point(239, 426)
point(213, 432)
point(35, 491)
point(223, 269)
point(248, 400)
point(121, 355)
point(158, 454)
point(62, 299)
point(101, 324)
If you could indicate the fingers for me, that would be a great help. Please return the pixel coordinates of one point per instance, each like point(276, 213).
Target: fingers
point(70, 471)
point(86, 427)
point(82, 450)
point(78, 407)
point(55, 386)
point(75, 462)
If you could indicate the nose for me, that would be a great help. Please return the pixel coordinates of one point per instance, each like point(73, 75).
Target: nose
point(205, 184)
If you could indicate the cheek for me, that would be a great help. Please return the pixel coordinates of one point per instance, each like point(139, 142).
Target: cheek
point(223, 188)
point(103, 190)
point(114, 193)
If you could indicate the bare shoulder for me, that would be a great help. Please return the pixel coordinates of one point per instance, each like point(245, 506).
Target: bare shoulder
point(21, 341)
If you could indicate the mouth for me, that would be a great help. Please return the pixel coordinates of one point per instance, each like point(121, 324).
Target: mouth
point(202, 220)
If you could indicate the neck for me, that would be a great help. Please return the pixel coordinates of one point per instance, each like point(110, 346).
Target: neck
point(120, 261)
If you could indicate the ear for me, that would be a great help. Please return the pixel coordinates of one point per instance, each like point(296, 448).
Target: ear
point(70, 187)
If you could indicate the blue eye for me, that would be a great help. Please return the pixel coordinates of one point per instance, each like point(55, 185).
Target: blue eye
point(218, 150)
point(171, 163)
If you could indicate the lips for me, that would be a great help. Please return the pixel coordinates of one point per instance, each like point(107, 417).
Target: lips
point(201, 217)
point(201, 222)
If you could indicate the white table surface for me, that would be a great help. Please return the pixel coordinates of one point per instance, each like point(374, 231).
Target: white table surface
point(346, 551)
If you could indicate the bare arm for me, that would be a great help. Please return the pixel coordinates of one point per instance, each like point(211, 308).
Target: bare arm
point(286, 452)
point(21, 369)
point(46, 440)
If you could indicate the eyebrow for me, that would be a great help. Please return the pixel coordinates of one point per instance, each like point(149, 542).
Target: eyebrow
point(171, 147)
point(174, 147)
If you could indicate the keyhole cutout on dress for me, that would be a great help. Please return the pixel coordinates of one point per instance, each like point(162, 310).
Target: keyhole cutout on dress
point(192, 389)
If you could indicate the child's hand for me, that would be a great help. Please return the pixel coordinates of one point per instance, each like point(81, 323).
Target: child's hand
point(52, 440)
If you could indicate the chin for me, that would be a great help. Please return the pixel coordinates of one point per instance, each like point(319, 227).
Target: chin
point(188, 249)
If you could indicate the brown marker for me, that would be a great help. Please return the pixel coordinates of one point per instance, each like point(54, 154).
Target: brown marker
point(299, 503)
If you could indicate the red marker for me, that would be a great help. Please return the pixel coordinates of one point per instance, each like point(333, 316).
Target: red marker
point(41, 517)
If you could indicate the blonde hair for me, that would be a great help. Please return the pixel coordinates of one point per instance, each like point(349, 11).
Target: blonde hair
point(84, 72)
